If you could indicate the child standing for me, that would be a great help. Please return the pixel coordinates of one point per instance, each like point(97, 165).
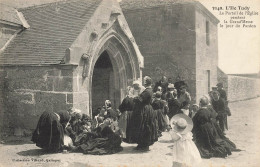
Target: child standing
point(161, 108)
point(185, 152)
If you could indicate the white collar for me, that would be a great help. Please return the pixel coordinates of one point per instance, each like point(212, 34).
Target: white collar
point(57, 115)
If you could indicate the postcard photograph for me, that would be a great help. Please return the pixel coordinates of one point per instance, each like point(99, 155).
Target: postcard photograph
point(130, 83)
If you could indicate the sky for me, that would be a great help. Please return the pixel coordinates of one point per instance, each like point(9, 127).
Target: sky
point(238, 48)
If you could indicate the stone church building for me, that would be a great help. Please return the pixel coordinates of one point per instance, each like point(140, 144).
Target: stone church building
point(178, 39)
point(65, 54)
point(79, 53)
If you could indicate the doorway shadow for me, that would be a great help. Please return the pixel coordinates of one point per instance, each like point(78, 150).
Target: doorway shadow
point(131, 150)
point(34, 152)
point(13, 140)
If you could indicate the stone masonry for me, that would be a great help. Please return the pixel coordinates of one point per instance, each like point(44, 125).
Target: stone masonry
point(172, 38)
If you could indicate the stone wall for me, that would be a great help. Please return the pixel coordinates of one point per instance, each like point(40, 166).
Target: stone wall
point(29, 91)
point(166, 42)
point(242, 88)
point(223, 78)
point(239, 88)
point(206, 54)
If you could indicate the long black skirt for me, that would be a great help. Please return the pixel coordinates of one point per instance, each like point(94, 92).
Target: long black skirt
point(49, 133)
point(219, 135)
point(145, 126)
point(211, 142)
point(129, 134)
point(106, 142)
point(207, 143)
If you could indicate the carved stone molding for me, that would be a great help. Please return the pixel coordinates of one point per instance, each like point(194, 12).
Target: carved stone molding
point(86, 59)
point(94, 35)
point(115, 13)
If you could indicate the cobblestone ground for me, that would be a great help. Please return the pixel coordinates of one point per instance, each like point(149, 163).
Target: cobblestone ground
point(244, 130)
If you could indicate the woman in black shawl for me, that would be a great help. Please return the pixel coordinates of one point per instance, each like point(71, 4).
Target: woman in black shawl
point(49, 133)
point(144, 118)
point(209, 139)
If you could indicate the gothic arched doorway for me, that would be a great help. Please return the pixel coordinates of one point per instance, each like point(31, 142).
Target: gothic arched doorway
point(103, 82)
point(112, 69)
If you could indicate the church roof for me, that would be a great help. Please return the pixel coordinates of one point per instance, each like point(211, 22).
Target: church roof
point(9, 15)
point(53, 28)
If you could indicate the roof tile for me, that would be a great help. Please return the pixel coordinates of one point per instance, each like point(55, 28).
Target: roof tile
point(53, 28)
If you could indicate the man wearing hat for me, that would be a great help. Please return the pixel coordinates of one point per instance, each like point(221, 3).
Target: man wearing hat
point(223, 95)
point(163, 83)
point(219, 106)
point(173, 103)
point(221, 91)
point(171, 88)
point(178, 84)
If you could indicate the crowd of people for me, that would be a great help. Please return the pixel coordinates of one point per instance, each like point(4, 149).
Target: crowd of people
point(197, 130)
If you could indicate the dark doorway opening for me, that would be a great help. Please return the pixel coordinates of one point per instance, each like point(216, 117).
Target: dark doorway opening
point(103, 82)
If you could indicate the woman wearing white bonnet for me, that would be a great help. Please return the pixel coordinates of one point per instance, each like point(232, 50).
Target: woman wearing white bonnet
point(144, 118)
point(137, 88)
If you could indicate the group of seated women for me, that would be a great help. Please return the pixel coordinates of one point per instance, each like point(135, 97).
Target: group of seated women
point(76, 132)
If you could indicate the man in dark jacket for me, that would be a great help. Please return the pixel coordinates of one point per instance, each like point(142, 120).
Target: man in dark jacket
point(221, 91)
point(162, 83)
point(173, 103)
point(220, 107)
point(223, 95)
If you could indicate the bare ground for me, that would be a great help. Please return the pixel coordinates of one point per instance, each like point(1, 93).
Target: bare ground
point(244, 131)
